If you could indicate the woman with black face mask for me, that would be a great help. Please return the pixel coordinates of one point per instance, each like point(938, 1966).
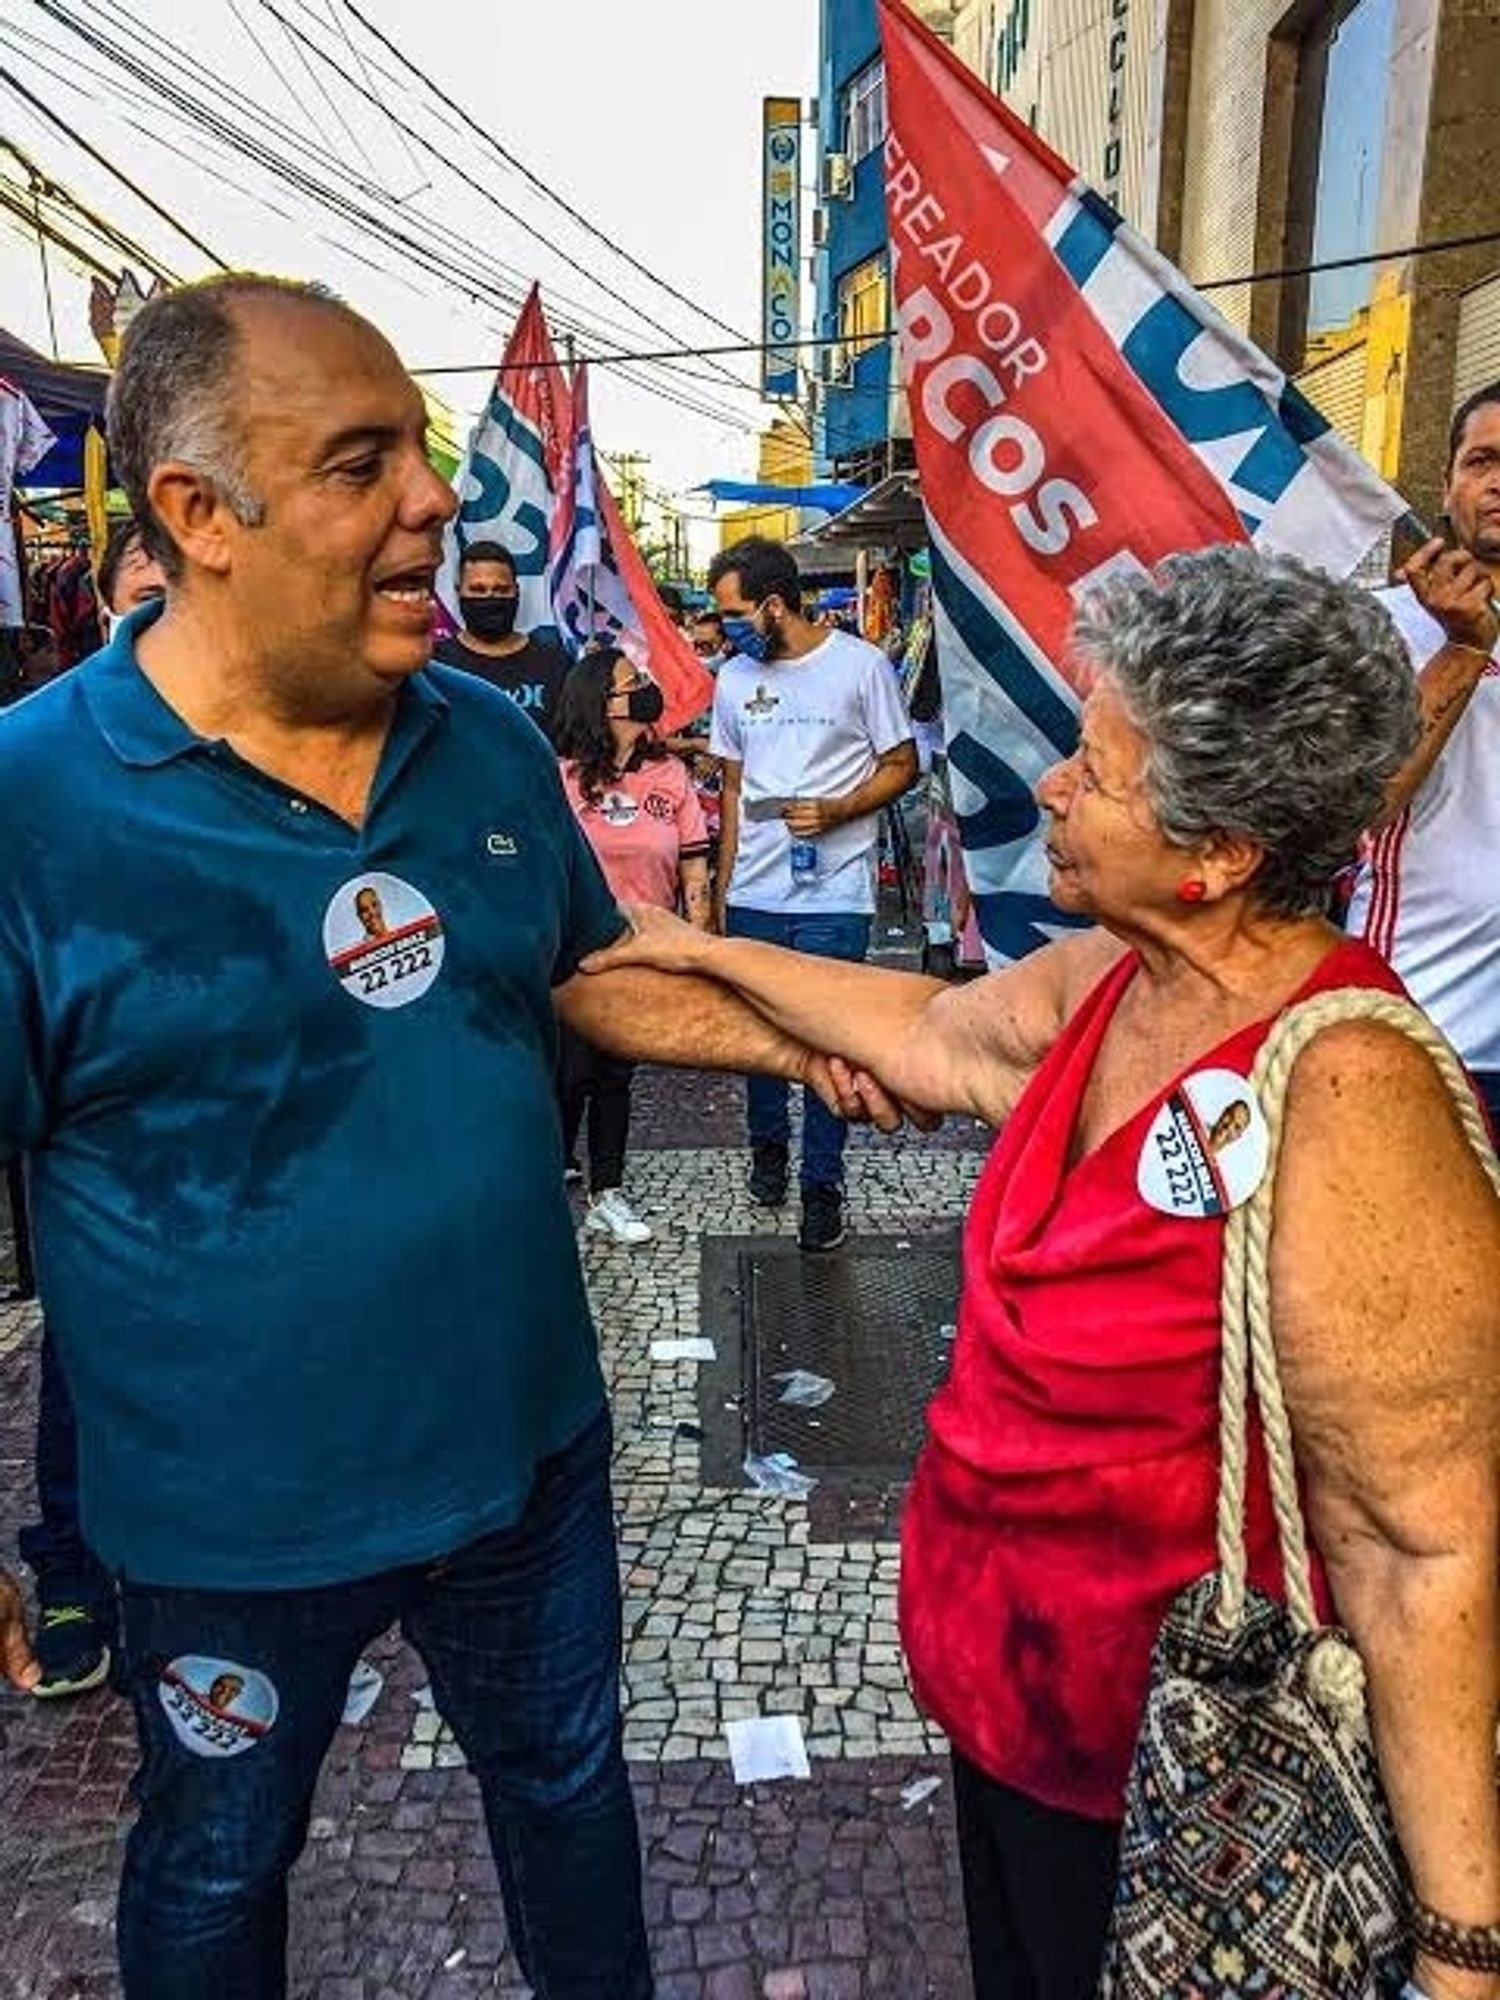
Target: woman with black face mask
point(640, 813)
point(530, 670)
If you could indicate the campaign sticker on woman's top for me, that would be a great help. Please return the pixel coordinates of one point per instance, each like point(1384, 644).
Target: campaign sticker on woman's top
point(384, 940)
point(1207, 1148)
point(618, 809)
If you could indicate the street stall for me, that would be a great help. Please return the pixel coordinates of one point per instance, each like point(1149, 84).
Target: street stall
point(52, 434)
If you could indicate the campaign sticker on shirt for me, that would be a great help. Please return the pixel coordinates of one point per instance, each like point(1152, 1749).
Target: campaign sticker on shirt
point(618, 809)
point(217, 1708)
point(384, 940)
point(1207, 1148)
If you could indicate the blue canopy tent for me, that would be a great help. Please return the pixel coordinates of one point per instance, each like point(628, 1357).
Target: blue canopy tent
point(69, 400)
point(824, 499)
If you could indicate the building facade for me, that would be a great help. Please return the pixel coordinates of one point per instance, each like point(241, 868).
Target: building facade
point(785, 459)
point(1081, 73)
point(1319, 132)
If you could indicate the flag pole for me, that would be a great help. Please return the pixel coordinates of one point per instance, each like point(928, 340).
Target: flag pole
point(570, 349)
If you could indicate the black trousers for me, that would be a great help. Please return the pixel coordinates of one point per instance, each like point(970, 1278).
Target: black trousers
point(1038, 1887)
point(1487, 1081)
point(593, 1083)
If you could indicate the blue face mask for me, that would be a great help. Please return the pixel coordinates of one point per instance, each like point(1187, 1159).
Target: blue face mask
point(745, 637)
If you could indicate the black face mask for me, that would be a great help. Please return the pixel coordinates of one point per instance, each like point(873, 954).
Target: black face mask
point(489, 617)
point(645, 704)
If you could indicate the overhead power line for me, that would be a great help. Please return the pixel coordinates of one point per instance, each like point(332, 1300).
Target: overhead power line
point(885, 333)
point(291, 89)
point(488, 138)
point(195, 126)
point(76, 214)
point(203, 118)
point(486, 194)
point(15, 84)
point(1433, 249)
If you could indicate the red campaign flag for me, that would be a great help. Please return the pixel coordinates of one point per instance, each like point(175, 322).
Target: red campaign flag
point(686, 684)
point(1077, 410)
point(536, 382)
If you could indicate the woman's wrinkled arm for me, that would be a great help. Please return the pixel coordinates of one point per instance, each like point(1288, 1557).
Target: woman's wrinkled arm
point(967, 1049)
point(1386, 1295)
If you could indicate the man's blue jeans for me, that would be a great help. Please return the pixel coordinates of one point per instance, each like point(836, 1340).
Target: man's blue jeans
point(832, 934)
point(237, 1697)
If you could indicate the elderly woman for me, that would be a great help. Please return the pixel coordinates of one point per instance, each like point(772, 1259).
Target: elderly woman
point(1244, 719)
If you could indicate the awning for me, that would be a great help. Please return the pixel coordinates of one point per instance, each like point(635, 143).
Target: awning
point(888, 516)
point(827, 499)
point(822, 562)
point(67, 399)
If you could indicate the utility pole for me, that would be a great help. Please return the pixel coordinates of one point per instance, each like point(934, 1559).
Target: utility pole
point(41, 244)
point(632, 489)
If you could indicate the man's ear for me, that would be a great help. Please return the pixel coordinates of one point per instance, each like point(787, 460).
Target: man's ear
point(193, 514)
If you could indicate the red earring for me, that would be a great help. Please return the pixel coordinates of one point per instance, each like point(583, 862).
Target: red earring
point(1191, 891)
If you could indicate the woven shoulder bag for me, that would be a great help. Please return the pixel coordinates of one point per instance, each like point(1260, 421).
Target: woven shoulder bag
point(1258, 1856)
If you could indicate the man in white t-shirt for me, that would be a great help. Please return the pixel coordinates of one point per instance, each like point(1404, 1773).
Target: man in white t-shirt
point(1428, 894)
point(814, 740)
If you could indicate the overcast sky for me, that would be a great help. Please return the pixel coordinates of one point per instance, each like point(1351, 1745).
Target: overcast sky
point(646, 117)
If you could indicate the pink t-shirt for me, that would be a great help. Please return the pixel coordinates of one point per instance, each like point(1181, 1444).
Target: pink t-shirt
point(647, 821)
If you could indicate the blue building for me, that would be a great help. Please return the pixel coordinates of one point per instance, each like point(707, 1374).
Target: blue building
point(851, 252)
point(855, 437)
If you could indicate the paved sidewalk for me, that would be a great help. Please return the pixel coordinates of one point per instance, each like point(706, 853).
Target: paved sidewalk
point(822, 1890)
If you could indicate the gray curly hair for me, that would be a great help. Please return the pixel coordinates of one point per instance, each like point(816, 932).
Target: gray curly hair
point(1277, 705)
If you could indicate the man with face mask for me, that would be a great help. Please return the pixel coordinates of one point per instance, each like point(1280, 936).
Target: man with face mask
point(530, 670)
point(814, 741)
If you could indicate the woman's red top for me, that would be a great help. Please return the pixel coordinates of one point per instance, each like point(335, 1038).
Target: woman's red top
point(1067, 1490)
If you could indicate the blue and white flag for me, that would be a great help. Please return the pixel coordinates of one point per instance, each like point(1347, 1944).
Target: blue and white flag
point(589, 599)
point(602, 592)
point(510, 476)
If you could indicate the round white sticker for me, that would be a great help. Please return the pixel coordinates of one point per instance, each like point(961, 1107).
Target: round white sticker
point(618, 809)
point(1207, 1148)
point(217, 1708)
point(384, 940)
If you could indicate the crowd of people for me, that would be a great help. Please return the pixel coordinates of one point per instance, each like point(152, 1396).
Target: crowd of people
point(297, 1077)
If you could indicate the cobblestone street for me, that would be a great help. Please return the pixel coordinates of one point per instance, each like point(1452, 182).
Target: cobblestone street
point(738, 1604)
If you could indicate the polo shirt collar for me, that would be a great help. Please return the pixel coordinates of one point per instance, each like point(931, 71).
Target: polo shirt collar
point(144, 730)
point(131, 716)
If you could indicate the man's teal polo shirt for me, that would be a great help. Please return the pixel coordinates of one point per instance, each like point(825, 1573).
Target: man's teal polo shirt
point(286, 1089)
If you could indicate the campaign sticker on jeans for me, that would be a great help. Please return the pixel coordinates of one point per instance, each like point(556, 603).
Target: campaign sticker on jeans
point(384, 940)
point(216, 1708)
point(1207, 1149)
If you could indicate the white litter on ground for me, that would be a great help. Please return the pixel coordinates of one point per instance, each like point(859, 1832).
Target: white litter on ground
point(763, 1747)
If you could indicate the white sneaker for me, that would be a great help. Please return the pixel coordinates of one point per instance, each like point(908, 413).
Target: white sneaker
point(611, 1215)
